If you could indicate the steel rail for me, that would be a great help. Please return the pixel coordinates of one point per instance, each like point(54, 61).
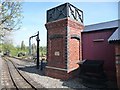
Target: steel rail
point(19, 74)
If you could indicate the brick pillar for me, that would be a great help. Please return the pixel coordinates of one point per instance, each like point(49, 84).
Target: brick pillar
point(74, 44)
point(117, 50)
point(63, 48)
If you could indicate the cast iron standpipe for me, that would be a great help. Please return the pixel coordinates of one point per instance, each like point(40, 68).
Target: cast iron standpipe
point(38, 50)
point(30, 52)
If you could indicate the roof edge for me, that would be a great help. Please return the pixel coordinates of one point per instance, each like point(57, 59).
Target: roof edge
point(100, 26)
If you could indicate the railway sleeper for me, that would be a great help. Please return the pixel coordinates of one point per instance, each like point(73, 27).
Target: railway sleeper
point(35, 84)
point(27, 78)
point(19, 81)
point(6, 81)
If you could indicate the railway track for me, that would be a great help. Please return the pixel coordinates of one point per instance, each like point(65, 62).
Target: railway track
point(26, 60)
point(20, 62)
point(27, 63)
point(16, 79)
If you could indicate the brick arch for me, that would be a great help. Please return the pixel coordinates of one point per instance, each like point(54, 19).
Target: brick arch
point(75, 36)
point(74, 52)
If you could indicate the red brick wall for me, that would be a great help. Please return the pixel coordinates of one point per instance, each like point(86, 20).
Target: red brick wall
point(56, 73)
point(56, 44)
point(74, 45)
point(64, 75)
point(59, 39)
point(74, 53)
point(117, 49)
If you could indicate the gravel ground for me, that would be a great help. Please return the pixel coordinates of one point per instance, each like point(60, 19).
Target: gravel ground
point(38, 76)
point(47, 82)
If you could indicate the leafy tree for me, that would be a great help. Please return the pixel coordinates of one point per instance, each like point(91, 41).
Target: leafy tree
point(22, 45)
point(34, 49)
point(7, 47)
point(42, 50)
point(10, 19)
point(10, 15)
point(7, 42)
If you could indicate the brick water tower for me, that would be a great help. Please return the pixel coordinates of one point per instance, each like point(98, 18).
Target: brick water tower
point(64, 26)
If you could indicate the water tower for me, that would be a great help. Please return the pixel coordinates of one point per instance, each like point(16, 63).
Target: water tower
point(64, 26)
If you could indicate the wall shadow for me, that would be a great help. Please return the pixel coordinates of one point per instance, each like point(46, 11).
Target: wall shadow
point(33, 69)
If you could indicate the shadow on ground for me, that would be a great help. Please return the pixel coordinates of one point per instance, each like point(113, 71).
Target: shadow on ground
point(33, 69)
point(72, 83)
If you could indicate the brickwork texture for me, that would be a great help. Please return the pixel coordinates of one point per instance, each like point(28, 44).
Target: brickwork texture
point(63, 48)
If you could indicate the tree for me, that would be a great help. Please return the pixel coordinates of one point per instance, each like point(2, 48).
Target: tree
point(10, 15)
point(7, 41)
point(22, 45)
point(10, 19)
point(34, 49)
point(42, 50)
